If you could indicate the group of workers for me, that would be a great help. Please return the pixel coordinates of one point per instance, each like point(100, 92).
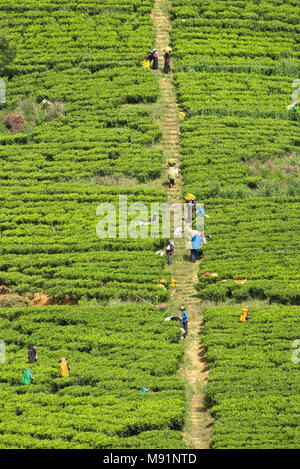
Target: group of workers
point(63, 371)
point(196, 240)
point(153, 57)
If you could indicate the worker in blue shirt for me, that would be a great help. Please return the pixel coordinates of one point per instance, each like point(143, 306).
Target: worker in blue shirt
point(293, 106)
point(196, 245)
point(185, 319)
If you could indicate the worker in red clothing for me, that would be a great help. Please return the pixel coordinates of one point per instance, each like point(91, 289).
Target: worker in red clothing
point(153, 56)
point(169, 250)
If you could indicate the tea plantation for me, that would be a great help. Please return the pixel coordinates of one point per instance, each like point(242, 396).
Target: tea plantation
point(87, 57)
point(235, 66)
point(91, 133)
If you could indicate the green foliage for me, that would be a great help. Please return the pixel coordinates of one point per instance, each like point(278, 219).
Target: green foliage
point(7, 51)
point(49, 243)
point(253, 381)
point(113, 353)
point(234, 66)
point(248, 244)
point(82, 57)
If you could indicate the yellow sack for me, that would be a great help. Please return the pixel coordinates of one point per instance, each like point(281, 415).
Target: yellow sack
point(243, 317)
point(63, 369)
point(181, 116)
point(145, 64)
point(173, 283)
point(189, 196)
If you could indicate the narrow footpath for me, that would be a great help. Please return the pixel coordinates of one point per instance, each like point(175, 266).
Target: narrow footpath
point(194, 372)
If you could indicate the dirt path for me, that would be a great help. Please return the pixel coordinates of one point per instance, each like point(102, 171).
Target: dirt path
point(198, 424)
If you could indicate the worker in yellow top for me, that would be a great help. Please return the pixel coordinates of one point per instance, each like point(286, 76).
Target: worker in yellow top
point(245, 314)
point(63, 368)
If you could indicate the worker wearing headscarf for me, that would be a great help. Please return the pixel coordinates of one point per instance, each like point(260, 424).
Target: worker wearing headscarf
point(167, 58)
point(63, 368)
point(32, 355)
point(27, 378)
point(153, 56)
point(155, 59)
point(169, 250)
point(172, 173)
point(185, 318)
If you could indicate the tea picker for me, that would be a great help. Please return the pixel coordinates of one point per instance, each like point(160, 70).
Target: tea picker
point(175, 318)
point(167, 58)
point(63, 368)
point(197, 241)
point(169, 250)
point(27, 378)
point(155, 59)
point(191, 206)
point(152, 56)
point(172, 174)
point(32, 355)
point(245, 314)
point(292, 106)
point(185, 319)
